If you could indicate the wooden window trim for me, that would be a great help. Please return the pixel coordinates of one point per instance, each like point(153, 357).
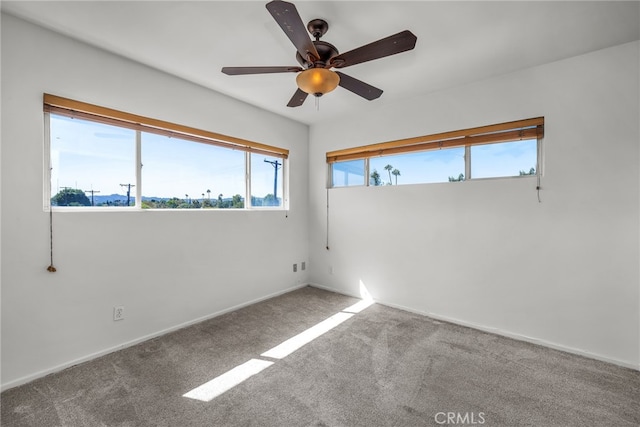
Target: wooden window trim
point(502, 132)
point(71, 108)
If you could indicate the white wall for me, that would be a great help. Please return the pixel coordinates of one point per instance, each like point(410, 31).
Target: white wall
point(166, 268)
point(564, 272)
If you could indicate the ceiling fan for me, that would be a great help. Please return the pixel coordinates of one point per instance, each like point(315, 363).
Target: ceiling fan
point(318, 57)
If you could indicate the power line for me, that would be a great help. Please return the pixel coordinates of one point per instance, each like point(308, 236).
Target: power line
point(275, 164)
point(91, 191)
point(128, 191)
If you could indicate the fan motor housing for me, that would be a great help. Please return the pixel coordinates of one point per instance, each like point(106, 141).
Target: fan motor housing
point(325, 50)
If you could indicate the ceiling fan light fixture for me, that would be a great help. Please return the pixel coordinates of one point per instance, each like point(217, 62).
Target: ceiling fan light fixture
point(317, 81)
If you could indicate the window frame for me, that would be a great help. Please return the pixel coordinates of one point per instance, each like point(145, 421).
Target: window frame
point(519, 130)
point(76, 109)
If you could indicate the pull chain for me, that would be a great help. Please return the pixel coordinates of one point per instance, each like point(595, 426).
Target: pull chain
point(51, 268)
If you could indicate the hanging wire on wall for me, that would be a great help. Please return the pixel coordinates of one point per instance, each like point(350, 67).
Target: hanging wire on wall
point(327, 218)
point(51, 268)
point(538, 186)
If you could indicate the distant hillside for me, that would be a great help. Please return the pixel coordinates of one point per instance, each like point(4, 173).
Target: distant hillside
point(98, 200)
point(170, 202)
point(112, 198)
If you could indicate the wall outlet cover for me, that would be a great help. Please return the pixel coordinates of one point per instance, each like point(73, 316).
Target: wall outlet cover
point(118, 313)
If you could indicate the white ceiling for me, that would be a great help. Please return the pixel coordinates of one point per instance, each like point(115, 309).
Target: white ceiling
point(458, 42)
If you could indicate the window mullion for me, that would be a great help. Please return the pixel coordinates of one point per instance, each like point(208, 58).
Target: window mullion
point(467, 162)
point(247, 180)
point(539, 159)
point(285, 184)
point(367, 173)
point(138, 169)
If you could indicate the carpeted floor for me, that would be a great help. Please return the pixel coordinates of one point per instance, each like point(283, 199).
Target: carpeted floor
point(381, 367)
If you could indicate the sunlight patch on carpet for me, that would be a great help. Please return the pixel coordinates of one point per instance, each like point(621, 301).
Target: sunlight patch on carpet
point(292, 344)
point(359, 306)
point(214, 388)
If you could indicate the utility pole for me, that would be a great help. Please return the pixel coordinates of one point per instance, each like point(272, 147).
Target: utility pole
point(128, 191)
point(276, 164)
point(91, 191)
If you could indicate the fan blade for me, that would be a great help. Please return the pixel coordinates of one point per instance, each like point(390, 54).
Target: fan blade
point(235, 71)
point(401, 42)
point(359, 87)
point(286, 15)
point(297, 99)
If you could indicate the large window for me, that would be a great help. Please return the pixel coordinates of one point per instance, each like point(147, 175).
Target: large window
point(503, 150)
point(105, 158)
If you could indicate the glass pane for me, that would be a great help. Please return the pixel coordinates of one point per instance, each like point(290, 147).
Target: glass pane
point(180, 174)
point(419, 167)
point(267, 181)
point(91, 163)
point(345, 174)
point(504, 159)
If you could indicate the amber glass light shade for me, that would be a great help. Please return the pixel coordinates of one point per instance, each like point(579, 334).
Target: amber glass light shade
point(317, 81)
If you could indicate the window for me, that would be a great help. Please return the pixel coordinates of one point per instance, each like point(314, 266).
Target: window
point(89, 162)
point(267, 183)
point(504, 159)
point(419, 167)
point(501, 150)
point(348, 173)
point(94, 151)
point(182, 174)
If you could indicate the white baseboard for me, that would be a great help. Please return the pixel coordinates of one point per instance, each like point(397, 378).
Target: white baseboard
point(494, 331)
point(58, 368)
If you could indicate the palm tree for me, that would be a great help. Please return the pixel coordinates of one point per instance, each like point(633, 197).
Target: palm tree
point(395, 173)
point(209, 194)
point(388, 169)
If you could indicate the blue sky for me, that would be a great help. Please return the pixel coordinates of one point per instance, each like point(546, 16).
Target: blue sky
point(88, 155)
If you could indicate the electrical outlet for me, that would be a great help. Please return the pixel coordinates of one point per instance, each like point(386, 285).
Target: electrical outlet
point(303, 266)
point(295, 268)
point(118, 313)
